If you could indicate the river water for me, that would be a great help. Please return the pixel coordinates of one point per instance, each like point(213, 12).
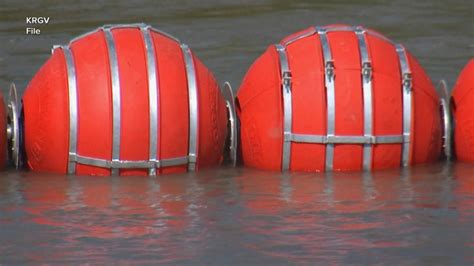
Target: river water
point(422, 215)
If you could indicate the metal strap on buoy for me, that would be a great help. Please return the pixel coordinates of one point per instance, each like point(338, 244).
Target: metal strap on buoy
point(329, 77)
point(153, 89)
point(72, 91)
point(330, 139)
point(407, 104)
point(287, 107)
point(116, 98)
point(193, 106)
point(116, 163)
point(366, 67)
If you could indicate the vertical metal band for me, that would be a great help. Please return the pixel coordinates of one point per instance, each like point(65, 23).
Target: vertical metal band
point(72, 87)
point(407, 103)
point(287, 106)
point(330, 95)
point(153, 96)
point(116, 109)
point(366, 73)
point(193, 106)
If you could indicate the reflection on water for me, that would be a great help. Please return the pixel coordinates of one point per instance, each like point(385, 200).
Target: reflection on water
point(240, 216)
point(243, 216)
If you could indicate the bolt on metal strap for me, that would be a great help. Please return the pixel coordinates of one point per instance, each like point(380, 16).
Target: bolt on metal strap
point(193, 106)
point(153, 97)
point(366, 74)
point(116, 96)
point(407, 103)
point(321, 139)
point(314, 30)
point(287, 105)
point(330, 95)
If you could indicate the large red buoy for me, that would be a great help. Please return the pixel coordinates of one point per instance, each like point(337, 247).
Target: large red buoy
point(338, 98)
point(123, 99)
point(463, 112)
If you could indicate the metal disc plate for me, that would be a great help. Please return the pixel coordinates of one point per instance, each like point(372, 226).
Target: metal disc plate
point(230, 103)
point(13, 126)
point(446, 119)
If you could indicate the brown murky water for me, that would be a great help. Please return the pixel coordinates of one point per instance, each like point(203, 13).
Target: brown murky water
point(423, 215)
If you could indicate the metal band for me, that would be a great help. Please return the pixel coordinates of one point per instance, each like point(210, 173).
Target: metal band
point(193, 106)
point(124, 26)
point(132, 25)
point(333, 29)
point(407, 103)
point(321, 139)
point(72, 88)
point(287, 105)
point(366, 73)
point(300, 36)
point(116, 109)
point(153, 97)
point(330, 95)
point(130, 164)
point(338, 28)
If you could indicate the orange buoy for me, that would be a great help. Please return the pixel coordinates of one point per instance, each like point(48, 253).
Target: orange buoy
point(3, 132)
point(338, 98)
point(123, 99)
point(463, 112)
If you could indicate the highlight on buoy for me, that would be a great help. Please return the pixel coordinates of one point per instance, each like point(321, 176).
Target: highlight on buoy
point(339, 98)
point(120, 100)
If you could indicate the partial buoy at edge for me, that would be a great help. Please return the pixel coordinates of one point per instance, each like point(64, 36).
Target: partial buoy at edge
point(463, 112)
